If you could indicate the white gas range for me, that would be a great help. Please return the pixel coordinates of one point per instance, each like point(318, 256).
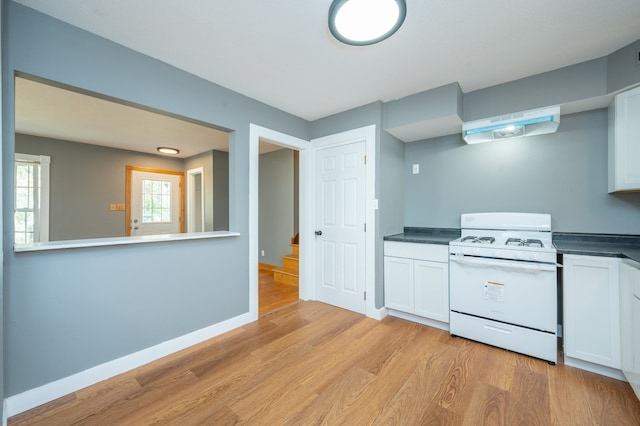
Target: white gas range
point(503, 282)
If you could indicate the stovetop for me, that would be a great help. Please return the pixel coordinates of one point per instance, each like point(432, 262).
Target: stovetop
point(505, 241)
point(510, 236)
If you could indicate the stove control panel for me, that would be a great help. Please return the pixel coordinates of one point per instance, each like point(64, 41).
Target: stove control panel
point(522, 254)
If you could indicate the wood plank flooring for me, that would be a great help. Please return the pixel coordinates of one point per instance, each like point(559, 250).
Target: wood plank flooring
point(308, 363)
point(273, 294)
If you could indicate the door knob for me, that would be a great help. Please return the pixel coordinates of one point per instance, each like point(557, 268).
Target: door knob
point(318, 232)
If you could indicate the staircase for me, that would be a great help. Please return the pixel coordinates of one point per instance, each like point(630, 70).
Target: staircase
point(288, 274)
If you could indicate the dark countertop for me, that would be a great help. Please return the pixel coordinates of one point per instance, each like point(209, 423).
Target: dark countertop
point(606, 245)
point(425, 235)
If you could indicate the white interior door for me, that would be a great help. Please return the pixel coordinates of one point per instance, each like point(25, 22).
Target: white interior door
point(340, 226)
point(156, 200)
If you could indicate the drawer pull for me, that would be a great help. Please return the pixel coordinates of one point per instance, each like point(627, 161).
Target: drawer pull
point(499, 330)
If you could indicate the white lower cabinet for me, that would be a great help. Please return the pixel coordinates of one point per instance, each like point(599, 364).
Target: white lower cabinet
point(591, 305)
point(629, 321)
point(416, 279)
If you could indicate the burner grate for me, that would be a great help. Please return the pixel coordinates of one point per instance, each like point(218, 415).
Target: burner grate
point(478, 240)
point(522, 242)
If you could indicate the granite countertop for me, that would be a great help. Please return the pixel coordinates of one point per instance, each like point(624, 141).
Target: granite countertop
point(606, 245)
point(425, 235)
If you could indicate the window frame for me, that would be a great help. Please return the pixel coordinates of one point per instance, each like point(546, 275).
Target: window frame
point(42, 187)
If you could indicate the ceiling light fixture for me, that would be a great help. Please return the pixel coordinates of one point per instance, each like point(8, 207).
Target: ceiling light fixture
point(168, 150)
point(365, 22)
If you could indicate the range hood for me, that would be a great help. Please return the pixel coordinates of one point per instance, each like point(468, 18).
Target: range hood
point(519, 124)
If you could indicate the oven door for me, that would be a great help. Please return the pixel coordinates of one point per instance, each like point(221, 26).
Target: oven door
point(510, 291)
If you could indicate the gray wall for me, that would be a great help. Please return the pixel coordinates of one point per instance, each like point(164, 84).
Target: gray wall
point(365, 115)
point(220, 191)
point(275, 218)
point(216, 186)
point(2, 14)
point(69, 310)
point(204, 160)
point(85, 180)
point(563, 174)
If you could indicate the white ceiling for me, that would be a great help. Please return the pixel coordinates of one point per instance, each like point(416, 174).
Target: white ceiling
point(280, 52)
point(45, 110)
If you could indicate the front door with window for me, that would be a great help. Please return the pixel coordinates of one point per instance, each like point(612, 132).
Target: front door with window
point(156, 200)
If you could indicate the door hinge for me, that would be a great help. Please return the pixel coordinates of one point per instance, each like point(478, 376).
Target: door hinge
point(365, 295)
point(365, 159)
point(365, 227)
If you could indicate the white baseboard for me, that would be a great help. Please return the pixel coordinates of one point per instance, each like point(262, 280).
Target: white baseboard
point(32, 398)
point(420, 320)
point(378, 314)
point(594, 368)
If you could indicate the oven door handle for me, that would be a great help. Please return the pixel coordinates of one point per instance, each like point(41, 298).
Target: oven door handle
point(514, 265)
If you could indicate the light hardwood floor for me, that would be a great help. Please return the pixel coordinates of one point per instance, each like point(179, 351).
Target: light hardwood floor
point(272, 294)
point(309, 363)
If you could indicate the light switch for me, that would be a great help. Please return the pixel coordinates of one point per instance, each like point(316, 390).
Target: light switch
point(112, 207)
point(416, 169)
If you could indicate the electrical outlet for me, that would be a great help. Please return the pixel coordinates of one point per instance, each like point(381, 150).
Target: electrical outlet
point(112, 207)
point(262, 253)
point(416, 169)
point(120, 206)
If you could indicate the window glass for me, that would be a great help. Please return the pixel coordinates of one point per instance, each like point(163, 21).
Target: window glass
point(27, 201)
point(156, 201)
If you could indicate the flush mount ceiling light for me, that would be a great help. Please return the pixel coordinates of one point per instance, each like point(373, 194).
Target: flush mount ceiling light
point(168, 150)
point(365, 22)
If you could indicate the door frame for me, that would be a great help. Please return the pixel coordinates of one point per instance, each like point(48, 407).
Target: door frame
point(307, 200)
point(194, 175)
point(127, 213)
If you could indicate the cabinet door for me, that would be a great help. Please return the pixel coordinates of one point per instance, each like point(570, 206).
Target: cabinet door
point(629, 320)
point(627, 277)
point(624, 146)
point(591, 309)
point(431, 280)
point(634, 377)
point(398, 283)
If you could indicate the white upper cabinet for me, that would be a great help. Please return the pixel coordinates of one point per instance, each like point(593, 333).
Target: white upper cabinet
point(624, 142)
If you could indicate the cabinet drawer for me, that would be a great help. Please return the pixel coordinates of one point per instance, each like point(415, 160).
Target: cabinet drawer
point(539, 345)
point(432, 252)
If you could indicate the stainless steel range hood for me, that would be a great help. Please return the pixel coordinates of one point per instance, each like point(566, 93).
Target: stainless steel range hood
point(526, 123)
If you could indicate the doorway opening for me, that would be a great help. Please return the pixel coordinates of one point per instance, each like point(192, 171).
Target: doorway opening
point(195, 200)
point(278, 267)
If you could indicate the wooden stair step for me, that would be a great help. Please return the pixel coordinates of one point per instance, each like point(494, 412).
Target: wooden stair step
point(285, 277)
point(291, 263)
point(295, 249)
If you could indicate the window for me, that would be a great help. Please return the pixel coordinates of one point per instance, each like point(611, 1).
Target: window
point(31, 209)
point(156, 201)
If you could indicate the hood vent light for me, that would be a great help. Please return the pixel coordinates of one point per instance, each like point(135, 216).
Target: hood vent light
point(526, 123)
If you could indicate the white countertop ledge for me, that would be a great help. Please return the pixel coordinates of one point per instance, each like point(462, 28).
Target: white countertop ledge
point(119, 241)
